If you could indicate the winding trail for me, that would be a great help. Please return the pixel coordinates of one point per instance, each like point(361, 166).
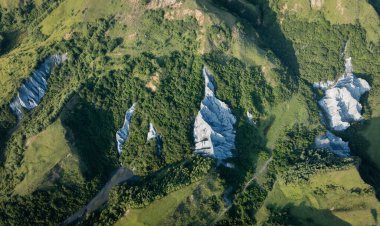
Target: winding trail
point(258, 173)
point(229, 202)
point(119, 176)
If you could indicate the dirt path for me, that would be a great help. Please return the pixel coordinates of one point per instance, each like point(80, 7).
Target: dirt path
point(229, 202)
point(258, 173)
point(119, 176)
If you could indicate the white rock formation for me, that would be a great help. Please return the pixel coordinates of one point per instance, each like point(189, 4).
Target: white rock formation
point(214, 133)
point(123, 132)
point(333, 143)
point(250, 118)
point(341, 100)
point(34, 88)
point(152, 133)
point(323, 85)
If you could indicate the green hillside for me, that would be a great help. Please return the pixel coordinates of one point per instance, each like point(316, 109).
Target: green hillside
point(264, 56)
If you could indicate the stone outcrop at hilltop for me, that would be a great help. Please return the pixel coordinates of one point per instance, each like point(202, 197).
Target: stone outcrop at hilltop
point(214, 133)
point(34, 88)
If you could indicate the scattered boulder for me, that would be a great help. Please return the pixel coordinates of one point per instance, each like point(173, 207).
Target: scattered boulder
point(123, 132)
point(214, 133)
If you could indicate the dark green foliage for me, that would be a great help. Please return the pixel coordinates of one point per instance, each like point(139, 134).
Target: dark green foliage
point(63, 84)
point(200, 208)
point(1, 43)
point(93, 133)
point(314, 160)
point(260, 15)
point(150, 188)
point(44, 207)
point(26, 14)
point(242, 87)
point(280, 217)
point(295, 141)
point(220, 36)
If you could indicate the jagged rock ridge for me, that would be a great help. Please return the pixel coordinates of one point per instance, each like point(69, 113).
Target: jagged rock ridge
point(214, 133)
point(34, 88)
point(123, 132)
point(333, 143)
point(341, 101)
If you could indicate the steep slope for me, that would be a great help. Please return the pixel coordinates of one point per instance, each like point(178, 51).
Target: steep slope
point(264, 56)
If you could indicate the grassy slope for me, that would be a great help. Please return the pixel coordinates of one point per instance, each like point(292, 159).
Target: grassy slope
point(43, 152)
point(285, 115)
point(9, 4)
point(337, 12)
point(339, 201)
point(157, 211)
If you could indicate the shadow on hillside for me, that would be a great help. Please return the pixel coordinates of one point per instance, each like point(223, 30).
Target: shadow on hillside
point(11, 40)
point(259, 15)
point(299, 215)
point(359, 145)
point(90, 132)
point(376, 5)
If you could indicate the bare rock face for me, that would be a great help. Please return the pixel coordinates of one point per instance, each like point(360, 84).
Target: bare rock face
point(123, 132)
point(341, 100)
point(214, 133)
point(333, 143)
point(34, 88)
point(250, 118)
point(152, 134)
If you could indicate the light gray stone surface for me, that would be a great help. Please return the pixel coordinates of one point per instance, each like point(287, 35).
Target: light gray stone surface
point(333, 143)
point(123, 133)
point(341, 101)
point(214, 133)
point(152, 134)
point(34, 88)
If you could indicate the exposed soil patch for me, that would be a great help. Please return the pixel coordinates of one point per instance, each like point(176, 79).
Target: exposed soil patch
point(153, 83)
point(180, 14)
point(316, 4)
point(158, 4)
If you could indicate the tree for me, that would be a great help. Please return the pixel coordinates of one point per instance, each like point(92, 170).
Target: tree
point(1, 43)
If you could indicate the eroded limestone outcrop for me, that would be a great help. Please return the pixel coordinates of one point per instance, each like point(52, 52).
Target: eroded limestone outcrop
point(333, 143)
point(152, 134)
point(34, 88)
point(342, 107)
point(214, 133)
point(250, 118)
point(341, 101)
point(123, 132)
